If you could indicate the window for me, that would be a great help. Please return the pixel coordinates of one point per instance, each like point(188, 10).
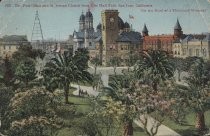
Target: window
point(90, 44)
point(190, 52)
point(197, 52)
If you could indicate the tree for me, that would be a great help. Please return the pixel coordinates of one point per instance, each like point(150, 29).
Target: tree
point(198, 90)
point(26, 71)
point(115, 61)
point(8, 77)
point(133, 58)
point(27, 52)
point(65, 69)
point(126, 99)
point(154, 67)
point(118, 105)
point(6, 93)
point(33, 113)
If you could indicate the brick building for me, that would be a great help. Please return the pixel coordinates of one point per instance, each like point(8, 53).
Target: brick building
point(162, 42)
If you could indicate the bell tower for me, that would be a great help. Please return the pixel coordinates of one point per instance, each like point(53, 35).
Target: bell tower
point(110, 32)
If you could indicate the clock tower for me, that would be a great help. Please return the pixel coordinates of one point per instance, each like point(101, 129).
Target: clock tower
point(110, 32)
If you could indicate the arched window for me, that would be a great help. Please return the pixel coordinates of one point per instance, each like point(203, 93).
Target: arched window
point(204, 52)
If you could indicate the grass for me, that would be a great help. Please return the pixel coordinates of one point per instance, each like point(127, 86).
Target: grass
point(82, 106)
point(188, 129)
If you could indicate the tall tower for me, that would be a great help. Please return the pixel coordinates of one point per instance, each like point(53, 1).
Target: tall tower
point(145, 31)
point(37, 35)
point(89, 21)
point(82, 22)
point(110, 32)
point(89, 30)
point(178, 29)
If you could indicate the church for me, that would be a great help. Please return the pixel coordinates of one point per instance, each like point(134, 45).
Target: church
point(113, 38)
point(85, 36)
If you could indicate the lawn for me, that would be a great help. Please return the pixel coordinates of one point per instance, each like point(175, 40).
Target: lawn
point(82, 106)
point(188, 129)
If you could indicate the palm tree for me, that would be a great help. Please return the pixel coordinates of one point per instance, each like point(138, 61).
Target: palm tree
point(65, 69)
point(154, 67)
point(198, 90)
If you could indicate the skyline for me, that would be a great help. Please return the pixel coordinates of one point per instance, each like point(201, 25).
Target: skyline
point(60, 18)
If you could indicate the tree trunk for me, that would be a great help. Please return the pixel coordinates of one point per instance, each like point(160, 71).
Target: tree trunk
point(66, 93)
point(154, 86)
point(95, 70)
point(200, 121)
point(128, 129)
point(179, 75)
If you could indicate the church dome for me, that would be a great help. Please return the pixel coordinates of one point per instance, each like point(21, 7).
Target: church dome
point(120, 23)
point(126, 25)
point(89, 14)
point(82, 17)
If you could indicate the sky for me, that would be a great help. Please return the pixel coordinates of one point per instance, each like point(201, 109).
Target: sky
point(59, 18)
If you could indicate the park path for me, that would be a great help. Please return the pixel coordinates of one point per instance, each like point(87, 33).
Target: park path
point(162, 130)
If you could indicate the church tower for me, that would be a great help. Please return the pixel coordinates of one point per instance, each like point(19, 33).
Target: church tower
point(82, 22)
point(110, 32)
point(89, 21)
point(178, 29)
point(89, 30)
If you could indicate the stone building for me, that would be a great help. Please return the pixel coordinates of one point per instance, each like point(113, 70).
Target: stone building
point(10, 43)
point(119, 40)
point(193, 45)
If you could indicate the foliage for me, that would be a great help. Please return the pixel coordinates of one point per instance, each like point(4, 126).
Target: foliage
point(115, 62)
point(180, 65)
point(32, 113)
point(8, 77)
point(6, 93)
point(197, 91)
point(65, 69)
point(81, 57)
point(27, 52)
point(188, 62)
point(95, 61)
point(154, 68)
point(86, 126)
point(133, 58)
point(26, 71)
